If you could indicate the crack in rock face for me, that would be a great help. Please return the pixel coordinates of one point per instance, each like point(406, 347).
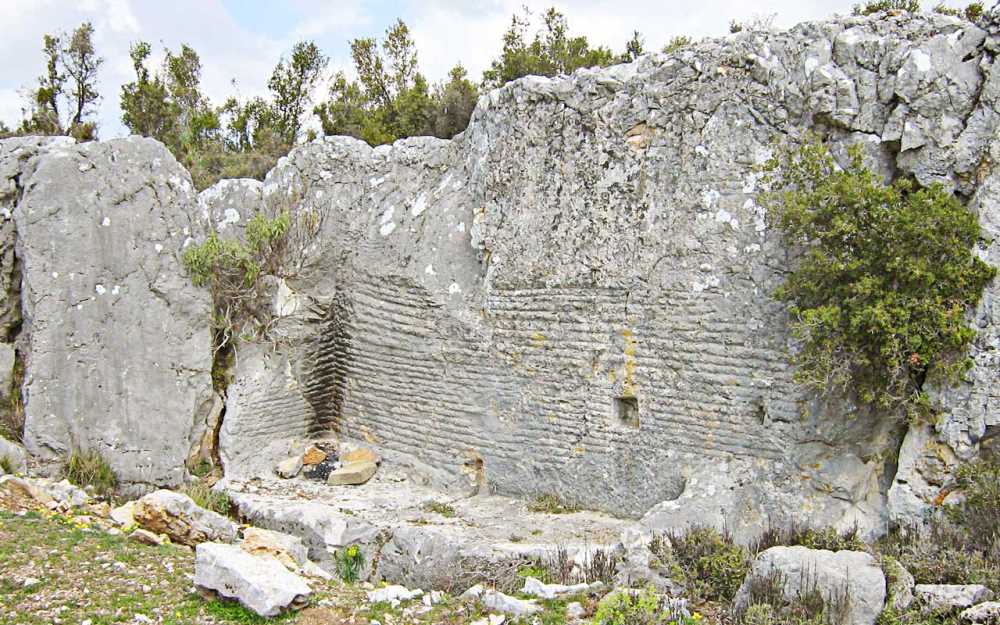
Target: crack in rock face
point(572, 297)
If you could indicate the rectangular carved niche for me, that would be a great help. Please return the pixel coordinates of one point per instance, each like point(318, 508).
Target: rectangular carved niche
point(625, 411)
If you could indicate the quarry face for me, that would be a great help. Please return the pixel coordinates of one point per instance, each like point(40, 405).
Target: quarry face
point(572, 298)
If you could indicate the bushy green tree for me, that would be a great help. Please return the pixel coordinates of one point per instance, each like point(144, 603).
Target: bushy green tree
point(291, 85)
point(552, 51)
point(883, 278)
point(169, 105)
point(391, 99)
point(81, 65)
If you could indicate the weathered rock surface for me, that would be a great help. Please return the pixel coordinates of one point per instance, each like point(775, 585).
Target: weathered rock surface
point(115, 342)
point(951, 596)
point(537, 588)
point(261, 582)
point(180, 518)
point(15, 455)
point(496, 600)
point(986, 613)
point(577, 289)
point(835, 574)
point(394, 594)
point(899, 585)
point(323, 529)
point(289, 467)
point(288, 549)
point(6, 371)
point(403, 543)
point(123, 514)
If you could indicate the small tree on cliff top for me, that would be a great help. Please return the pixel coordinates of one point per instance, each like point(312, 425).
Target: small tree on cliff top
point(884, 277)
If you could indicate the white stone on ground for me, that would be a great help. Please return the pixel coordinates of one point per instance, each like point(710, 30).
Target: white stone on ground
point(951, 596)
point(260, 582)
point(496, 600)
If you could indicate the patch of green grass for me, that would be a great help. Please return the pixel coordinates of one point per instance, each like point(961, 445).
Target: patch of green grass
point(204, 496)
point(551, 504)
point(89, 468)
point(441, 508)
point(234, 612)
point(6, 464)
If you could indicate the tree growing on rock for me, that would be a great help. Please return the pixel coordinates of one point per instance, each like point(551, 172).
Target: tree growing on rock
point(884, 276)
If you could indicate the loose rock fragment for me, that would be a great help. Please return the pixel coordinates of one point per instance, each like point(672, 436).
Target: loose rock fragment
point(177, 516)
point(951, 596)
point(353, 474)
point(259, 582)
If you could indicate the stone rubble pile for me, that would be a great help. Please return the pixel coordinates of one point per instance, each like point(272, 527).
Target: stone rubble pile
point(338, 464)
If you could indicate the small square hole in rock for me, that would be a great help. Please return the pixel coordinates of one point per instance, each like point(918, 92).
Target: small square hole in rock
point(626, 411)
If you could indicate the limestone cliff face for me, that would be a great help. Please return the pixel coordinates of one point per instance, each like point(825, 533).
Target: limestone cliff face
point(573, 296)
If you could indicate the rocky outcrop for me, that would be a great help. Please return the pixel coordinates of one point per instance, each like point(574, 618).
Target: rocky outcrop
point(573, 296)
point(116, 347)
point(850, 582)
point(951, 596)
point(577, 290)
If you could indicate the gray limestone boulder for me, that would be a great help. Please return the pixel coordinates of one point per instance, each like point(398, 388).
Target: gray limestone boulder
point(851, 575)
point(322, 528)
point(180, 518)
point(497, 601)
point(115, 340)
point(259, 582)
point(951, 596)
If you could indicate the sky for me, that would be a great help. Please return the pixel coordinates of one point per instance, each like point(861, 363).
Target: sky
point(240, 41)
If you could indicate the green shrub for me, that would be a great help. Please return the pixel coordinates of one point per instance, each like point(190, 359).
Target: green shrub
point(979, 512)
point(794, 534)
point(962, 545)
point(550, 504)
point(203, 495)
point(88, 468)
point(12, 415)
point(943, 553)
point(767, 604)
point(6, 464)
point(676, 43)
point(972, 12)
point(441, 508)
point(882, 6)
point(707, 561)
point(231, 269)
point(645, 607)
point(884, 277)
point(349, 561)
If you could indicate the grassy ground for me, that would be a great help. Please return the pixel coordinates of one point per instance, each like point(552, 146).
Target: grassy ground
point(55, 569)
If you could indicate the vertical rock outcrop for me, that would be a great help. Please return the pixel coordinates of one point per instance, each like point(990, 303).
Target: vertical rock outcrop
point(114, 339)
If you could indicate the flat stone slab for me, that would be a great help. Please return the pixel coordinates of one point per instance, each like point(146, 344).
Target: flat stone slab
point(389, 516)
